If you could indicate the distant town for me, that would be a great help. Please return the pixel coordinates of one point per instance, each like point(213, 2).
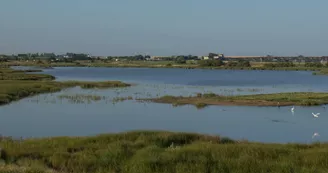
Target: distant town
point(68, 57)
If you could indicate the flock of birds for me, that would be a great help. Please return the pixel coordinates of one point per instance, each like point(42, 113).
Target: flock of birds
point(314, 115)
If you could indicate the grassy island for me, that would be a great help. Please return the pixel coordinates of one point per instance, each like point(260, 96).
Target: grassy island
point(17, 84)
point(276, 99)
point(160, 152)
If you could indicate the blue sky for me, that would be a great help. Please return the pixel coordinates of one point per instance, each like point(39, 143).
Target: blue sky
point(165, 27)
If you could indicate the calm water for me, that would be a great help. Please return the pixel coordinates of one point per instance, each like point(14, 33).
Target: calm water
point(48, 115)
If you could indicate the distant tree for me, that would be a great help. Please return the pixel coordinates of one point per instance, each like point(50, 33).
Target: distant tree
point(210, 63)
point(35, 55)
point(232, 64)
point(240, 63)
point(80, 57)
point(138, 57)
point(243, 63)
point(3, 59)
point(180, 60)
point(313, 64)
point(67, 59)
point(280, 64)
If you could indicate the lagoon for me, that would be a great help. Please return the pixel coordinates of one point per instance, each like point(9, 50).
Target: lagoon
point(47, 115)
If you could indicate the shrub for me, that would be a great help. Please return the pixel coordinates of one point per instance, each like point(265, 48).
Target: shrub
point(313, 64)
point(209, 95)
point(180, 60)
point(279, 64)
point(210, 63)
point(200, 105)
point(240, 63)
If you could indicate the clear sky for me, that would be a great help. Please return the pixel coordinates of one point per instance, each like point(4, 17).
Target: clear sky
point(165, 27)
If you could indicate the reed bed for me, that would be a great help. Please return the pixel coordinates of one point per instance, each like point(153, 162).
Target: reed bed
point(276, 99)
point(16, 84)
point(161, 152)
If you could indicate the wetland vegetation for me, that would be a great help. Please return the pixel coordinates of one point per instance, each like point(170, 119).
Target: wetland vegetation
point(88, 98)
point(158, 151)
point(275, 99)
point(17, 84)
point(154, 151)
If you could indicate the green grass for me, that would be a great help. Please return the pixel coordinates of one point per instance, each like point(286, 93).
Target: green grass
point(161, 152)
point(282, 99)
point(15, 85)
point(10, 74)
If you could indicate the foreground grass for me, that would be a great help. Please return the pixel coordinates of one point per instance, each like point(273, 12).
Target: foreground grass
point(15, 85)
point(276, 99)
point(160, 152)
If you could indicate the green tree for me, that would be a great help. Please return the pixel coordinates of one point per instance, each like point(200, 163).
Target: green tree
point(180, 60)
point(210, 63)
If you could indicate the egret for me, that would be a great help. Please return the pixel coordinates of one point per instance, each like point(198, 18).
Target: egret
point(292, 109)
point(315, 115)
point(315, 134)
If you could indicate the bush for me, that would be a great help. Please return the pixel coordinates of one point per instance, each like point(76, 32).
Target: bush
point(200, 105)
point(180, 60)
point(313, 64)
point(209, 95)
point(279, 64)
point(210, 63)
point(240, 63)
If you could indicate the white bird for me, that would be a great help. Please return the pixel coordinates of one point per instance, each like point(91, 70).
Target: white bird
point(292, 109)
point(315, 134)
point(315, 115)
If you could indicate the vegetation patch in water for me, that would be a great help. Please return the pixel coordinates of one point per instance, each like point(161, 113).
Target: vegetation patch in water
point(81, 98)
point(276, 99)
point(121, 99)
point(17, 84)
point(84, 98)
point(92, 85)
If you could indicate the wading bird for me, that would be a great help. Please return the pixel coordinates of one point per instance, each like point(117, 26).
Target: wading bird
point(315, 134)
point(315, 115)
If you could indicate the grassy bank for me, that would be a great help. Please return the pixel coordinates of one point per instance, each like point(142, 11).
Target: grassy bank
point(282, 99)
point(160, 152)
point(16, 84)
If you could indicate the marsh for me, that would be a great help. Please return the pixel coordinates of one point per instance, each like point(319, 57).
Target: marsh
point(44, 115)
